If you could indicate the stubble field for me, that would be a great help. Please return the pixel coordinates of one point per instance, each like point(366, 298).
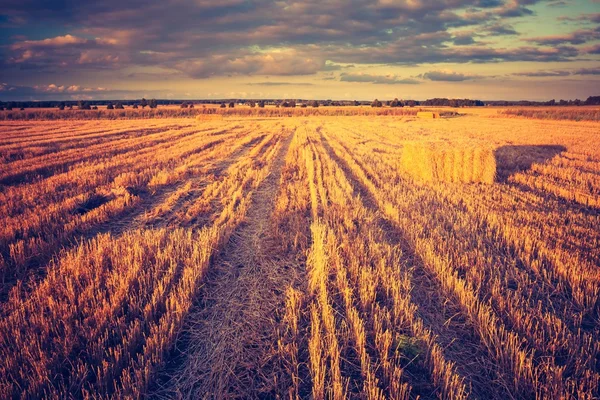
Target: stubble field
point(300, 257)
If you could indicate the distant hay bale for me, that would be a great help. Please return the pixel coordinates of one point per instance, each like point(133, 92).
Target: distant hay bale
point(437, 163)
point(428, 115)
point(208, 117)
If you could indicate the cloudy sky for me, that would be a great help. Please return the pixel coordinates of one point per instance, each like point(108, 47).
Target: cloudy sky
point(323, 49)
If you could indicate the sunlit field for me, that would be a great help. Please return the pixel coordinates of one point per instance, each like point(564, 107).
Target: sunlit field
point(301, 254)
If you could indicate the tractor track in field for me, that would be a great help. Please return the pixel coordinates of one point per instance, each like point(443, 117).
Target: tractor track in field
point(172, 217)
point(229, 346)
point(439, 313)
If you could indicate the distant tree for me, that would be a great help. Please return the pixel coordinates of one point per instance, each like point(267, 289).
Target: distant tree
point(94, 107)
point(261, 104)
point(231, 104)
point(577, 102)
point(222, 105)
point(292, 103)
point(395, 103)
point(152, 103)
point(184, 105)
point(314, 104)
point(303, 105)
point(135, 106)
point(252, 104)
point(70, 106)
point(143, 103)
point(83, 105)
point(285, 104)
point(61, 106)
point(119, 106)
point(10, 105)
point(356, 103)
point(593, 101)
point(376, 103)
point(191, 105)
point(411, 103)
point(22, 109)
point(110, 106)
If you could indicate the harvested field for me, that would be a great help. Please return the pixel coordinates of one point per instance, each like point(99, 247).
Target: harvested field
point(300, 256)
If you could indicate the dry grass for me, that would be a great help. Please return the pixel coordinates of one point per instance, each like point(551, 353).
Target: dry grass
point(584, 113)
point(209, 117)
point(300, 258)
point(170, 112)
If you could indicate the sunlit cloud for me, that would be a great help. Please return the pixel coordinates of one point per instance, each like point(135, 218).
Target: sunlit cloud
point(235, 42)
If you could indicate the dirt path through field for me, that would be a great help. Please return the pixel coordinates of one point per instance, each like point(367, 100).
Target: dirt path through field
point(173, 217)
point(438, 312)
point(136, 218)
point(232, 338)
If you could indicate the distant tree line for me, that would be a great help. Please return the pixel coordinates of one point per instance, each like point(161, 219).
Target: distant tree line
point(590, 101)
point(452, 103)
point(154, 103)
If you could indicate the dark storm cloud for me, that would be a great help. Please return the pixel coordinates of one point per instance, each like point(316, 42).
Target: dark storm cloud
point(280, 84)
point(578, 37)
point(587, 71)
point(536, 74)
point(550, 73)
point(378, 79)
point(464, 39)
point(448, 76)
point(593, 49)
point(413, 53)
point(594, 18)
point(260, 37)
point(276, 63)
point(500, 29)
point(558, 3)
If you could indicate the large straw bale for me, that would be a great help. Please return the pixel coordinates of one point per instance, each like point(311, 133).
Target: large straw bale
point(428, 115)
point(436, 162)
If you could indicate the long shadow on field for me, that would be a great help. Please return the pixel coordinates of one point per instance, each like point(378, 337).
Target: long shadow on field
point(439, 313)
point(511, 159)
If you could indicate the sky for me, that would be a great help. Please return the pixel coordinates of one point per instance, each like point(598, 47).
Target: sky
point(313, 49)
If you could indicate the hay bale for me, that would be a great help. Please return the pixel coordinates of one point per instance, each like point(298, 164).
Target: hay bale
point(428, 115)
point(431, 162)
point(209, 117)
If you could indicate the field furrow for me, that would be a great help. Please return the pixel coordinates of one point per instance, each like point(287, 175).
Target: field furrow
point(229, 342)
